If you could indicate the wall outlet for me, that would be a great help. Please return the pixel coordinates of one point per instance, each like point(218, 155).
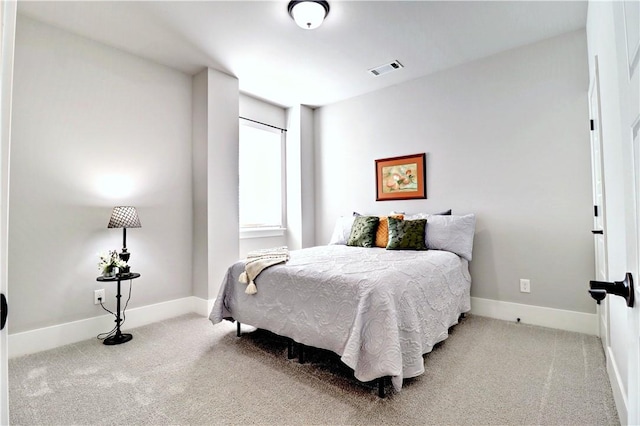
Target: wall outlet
point(98, 294)
point(525, 286)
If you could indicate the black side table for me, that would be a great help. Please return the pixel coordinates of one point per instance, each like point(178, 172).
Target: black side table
point(119, 337)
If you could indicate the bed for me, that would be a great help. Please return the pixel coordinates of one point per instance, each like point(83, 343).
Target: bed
point(379, 310)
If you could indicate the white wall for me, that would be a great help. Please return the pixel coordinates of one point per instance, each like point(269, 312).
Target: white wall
point(262, 111)
point(300, 178)
point(84, 116)
point(215, 179)
point(222, 175)
point(506, 138)
point(200, 123)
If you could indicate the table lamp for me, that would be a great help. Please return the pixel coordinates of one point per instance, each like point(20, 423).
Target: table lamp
point(124, 217)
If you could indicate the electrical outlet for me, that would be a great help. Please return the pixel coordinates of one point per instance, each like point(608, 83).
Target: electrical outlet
point(525, 286)
point(98, 294)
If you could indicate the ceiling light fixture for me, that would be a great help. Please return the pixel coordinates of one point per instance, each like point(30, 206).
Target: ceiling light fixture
point(308, 14)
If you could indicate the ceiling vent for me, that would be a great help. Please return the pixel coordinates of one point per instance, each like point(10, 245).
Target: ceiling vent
point(386, 68)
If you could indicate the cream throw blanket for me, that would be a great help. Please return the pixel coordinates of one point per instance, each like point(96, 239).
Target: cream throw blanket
point(259, 260)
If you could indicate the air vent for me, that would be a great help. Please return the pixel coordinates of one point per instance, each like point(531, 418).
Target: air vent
point(386, 68)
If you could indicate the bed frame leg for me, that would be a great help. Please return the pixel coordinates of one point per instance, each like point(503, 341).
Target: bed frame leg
point(289, 349)
point(300, 353)
point(238, 332)
point(381, 387)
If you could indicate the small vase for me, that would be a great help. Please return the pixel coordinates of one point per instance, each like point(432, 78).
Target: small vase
point(109, 273)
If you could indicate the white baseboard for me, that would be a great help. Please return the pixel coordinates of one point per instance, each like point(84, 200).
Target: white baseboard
point(63, 334)
point(202, 306)
point(619, 395)
point(580, 322)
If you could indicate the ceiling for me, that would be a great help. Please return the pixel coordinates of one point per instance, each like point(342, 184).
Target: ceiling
point(275, 60)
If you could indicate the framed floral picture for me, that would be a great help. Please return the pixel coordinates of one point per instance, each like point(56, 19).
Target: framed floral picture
point(401, 178)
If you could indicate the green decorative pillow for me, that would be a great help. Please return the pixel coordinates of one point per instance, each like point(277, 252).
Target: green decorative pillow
point(363, 231)
point(407, 234)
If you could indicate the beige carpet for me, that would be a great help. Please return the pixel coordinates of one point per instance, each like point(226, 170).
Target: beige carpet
point(187, 371)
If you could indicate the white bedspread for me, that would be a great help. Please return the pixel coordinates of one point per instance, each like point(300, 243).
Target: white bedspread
point(380, 310)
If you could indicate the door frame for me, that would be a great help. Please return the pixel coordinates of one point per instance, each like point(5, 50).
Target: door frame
point(597, 161)
point(8, 11)
point(633, 315)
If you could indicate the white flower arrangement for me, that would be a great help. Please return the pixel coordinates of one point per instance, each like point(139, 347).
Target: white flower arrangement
point(109, 261)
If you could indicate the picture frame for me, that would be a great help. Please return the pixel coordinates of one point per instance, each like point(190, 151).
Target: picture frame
point(401, 178)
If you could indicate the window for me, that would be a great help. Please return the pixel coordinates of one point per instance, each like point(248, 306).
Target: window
point(262, 180)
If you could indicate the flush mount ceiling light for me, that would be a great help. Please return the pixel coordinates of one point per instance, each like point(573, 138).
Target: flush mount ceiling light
point(308, 14)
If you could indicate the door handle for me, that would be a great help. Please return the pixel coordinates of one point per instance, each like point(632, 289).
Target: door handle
point(3, 311)
point(597, 231)
point(624, 288)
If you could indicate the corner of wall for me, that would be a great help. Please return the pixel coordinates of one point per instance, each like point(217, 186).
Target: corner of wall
point(560, 319)
point(300, 177)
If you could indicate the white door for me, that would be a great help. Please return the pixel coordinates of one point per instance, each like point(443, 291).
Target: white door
point(613, 34)
point(7, 39)
point(629, 13)
point(623, 115)
point(599, 235)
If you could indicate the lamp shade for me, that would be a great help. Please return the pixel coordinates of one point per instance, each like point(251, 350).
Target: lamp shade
point(308, 14)
point(124, 217)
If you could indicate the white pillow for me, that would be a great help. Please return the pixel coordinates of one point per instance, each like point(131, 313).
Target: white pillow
point(426, 215)
point(451, 233)
point(417, 216)
point(341, 230)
